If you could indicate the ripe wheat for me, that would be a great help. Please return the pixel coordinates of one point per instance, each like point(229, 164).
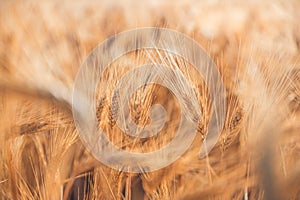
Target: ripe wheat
point(256, 47)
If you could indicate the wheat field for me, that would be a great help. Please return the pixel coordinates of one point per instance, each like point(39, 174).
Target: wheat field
point(255, 46)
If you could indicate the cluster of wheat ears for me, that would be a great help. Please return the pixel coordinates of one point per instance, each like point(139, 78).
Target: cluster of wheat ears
point(256, 47)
